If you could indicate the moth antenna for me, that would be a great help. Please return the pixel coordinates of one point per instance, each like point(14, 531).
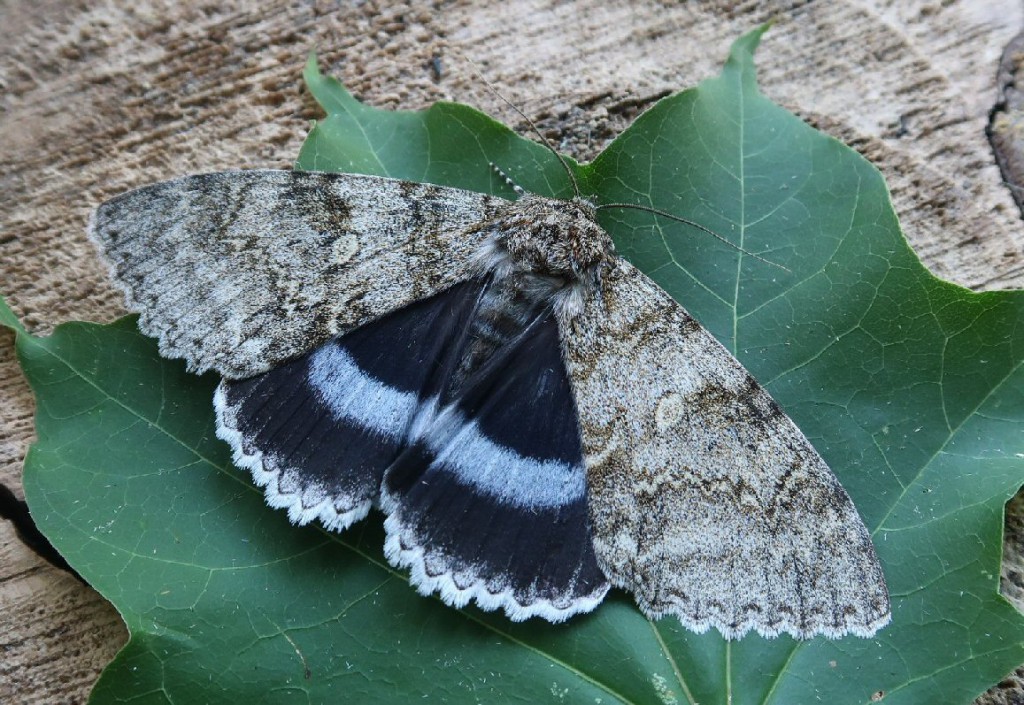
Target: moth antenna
point(692, 224)
point(532, 124)
point(520, 191)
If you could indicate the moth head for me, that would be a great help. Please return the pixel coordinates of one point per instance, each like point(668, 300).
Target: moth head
point(549, 238)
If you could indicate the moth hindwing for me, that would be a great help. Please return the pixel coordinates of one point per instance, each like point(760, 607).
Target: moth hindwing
point(536, 418)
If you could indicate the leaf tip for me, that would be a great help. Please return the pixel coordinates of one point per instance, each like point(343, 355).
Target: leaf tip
point(311, 72)
point(328, 91)
point(8, 319)
point(741, 53)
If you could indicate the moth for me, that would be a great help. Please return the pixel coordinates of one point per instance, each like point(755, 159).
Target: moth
point(537, 420)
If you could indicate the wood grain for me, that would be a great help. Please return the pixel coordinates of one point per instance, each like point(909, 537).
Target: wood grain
point(100, 96)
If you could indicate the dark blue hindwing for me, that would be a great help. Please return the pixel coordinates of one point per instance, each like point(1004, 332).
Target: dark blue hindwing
point(475, 457)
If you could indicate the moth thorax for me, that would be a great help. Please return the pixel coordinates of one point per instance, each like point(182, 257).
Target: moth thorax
point(552, 248)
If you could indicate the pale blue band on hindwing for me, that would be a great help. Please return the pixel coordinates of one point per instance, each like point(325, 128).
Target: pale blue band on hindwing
point(355, 396)
point(457, 444)
point(460, 447)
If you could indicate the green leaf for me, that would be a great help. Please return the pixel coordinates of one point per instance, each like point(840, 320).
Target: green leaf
point(448, 144)
point(910, 387)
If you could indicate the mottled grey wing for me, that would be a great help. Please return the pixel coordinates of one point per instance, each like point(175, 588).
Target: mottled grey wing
point(240, 270)
point(706, 500)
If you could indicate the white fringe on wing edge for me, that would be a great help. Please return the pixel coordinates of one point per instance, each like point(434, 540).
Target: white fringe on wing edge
point(732, 628)
point(282, 487)
point(402, 551)
point(283, 490)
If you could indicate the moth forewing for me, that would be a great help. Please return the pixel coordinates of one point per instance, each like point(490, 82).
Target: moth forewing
point(239, 271)
point(706, 501)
